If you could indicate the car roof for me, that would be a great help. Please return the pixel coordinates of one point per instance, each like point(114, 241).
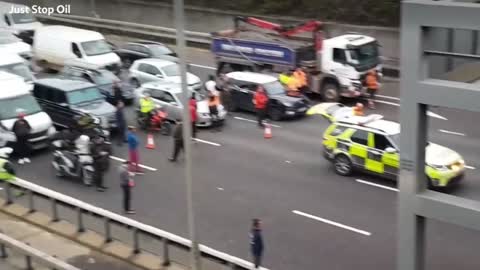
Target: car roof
point(11, 58)
point(63, 84)
point(372, 123)
point(173, 88)
point(16, 85)
point(253, 77)
point(156, 62)
point(72, 33)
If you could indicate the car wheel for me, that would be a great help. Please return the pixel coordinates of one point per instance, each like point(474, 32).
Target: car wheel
point(135, 83)
point(330, 93)
point(127, 63)
point(276, 114)
point(343, 165)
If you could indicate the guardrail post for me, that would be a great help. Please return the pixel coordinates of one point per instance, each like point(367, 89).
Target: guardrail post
point(166, 253)
point(28, 261)
point(8, 193)
point(108, 234)
point(81, 227)
point(31, 203)
point(54, 211)
point(3, 251)
point(136, 242)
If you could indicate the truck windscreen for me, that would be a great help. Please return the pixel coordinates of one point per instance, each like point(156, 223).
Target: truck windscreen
point(364, 55)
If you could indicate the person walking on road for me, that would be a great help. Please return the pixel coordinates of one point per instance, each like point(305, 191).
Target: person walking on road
point(177, 140)
point(21, 128)
point(121, 123)
point(256, 243)
point(133, 143)
point(126, 183)
point(372, 87)
point(260, 100)
point(193, 114)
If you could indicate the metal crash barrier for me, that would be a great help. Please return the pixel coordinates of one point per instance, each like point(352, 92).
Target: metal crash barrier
point(168, 239)
point(31, 254)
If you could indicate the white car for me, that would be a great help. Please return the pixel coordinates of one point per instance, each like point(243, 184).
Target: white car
point(14, 64)
point(10, 44)
point(152, 69)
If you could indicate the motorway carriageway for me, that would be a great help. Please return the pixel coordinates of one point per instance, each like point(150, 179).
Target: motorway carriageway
point(313, 218)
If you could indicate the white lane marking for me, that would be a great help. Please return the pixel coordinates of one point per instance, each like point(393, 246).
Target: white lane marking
point(429, 113)
point(219, 188)
point(470, 167)
point(331, 223)
point(202, 66)
point(388, 97)
point(288, 161)
point(376, 185)
point(140, 165)
point(207, 142)
point(253, 121)
point(451, 132)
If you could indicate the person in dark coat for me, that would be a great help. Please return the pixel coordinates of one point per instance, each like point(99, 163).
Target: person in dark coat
point(177, 140)
point(121, 123)
point(126, 185)
point(21, 128)
point(256, 243)
point(117, 93)
point(99, 162)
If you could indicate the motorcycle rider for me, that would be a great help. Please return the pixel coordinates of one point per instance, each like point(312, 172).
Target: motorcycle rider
point(146, 107)
point(99, 162)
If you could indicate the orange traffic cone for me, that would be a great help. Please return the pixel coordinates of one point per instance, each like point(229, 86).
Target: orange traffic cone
point(150, 142)
point(268, 131)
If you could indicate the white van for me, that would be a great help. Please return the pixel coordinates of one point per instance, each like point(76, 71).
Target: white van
point(10, 44)
point(14, 97)
point(14, 64)
point(53, 45)
point(23, 25)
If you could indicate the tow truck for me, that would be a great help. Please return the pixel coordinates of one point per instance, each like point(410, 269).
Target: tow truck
point(335, 67)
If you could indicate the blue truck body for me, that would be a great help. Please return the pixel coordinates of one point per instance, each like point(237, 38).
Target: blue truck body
point(254, 51)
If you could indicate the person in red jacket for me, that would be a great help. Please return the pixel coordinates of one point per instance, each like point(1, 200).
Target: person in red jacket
point(260, 100)
point(193, 115)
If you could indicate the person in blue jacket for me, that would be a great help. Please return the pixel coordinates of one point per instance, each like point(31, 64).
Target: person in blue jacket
point(256, 242)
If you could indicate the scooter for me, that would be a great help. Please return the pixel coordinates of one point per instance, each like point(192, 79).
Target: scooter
point(77, 163)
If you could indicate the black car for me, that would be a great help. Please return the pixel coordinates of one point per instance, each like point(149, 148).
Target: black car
point(63, 100)
point(103, 78)
point(242, 86)
point(145, 49)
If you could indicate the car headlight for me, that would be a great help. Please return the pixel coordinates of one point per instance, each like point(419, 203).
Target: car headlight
point(439, 167)
point(287, 104)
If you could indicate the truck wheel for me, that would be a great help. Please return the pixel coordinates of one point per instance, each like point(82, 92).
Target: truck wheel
point(343, 165)
point(330, 92)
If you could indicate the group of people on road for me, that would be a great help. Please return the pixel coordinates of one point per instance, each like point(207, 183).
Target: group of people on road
point(295, 81)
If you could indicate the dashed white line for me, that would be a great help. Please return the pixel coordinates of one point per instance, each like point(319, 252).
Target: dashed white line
point(429, 113)
point(253, 121)
point(376, 185)
point(207, 142)
point(332, 223)
point(202, 66)
point(388, 103)
point(388, 97)
point(140, 165)
point(451, 132)
point(470, 167)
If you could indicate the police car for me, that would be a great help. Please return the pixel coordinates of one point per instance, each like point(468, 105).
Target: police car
point(371, 144)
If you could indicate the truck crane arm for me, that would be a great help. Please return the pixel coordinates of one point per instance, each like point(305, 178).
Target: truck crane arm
point(287, 31)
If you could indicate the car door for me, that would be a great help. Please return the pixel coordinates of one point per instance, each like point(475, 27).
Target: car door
point(359, 148)
point(387, 161)
point(65, 114)
point(143, 73)
point(242, 95)
point(153, 74)
point(167, 101)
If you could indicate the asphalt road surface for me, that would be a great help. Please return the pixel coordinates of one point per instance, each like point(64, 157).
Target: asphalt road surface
point(312, 218)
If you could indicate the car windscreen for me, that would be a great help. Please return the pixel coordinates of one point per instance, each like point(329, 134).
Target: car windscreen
point(274, 88)
point(19, 69)
point(199, 96)
point(96, 47)
point(10, 107)
point(20, 18)
point(171, 70)
point(396, 140)
point(85, 95)
point(105, 77)
point(159, 50)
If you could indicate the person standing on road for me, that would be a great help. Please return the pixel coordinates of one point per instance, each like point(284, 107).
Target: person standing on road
point(260, 100)
point(213, 102)
point(211, 84)
point(21, 128)
point(121, 123)
point(177, 140)
point(117, 93)
point(256, 242)
point(193, 114)
point(126, 183)
point(99, 162)
point(133, 143)
point(372, 87)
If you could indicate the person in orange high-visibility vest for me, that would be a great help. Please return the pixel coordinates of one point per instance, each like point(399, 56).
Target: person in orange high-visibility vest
point(292, 85)
point(358, 109)
point(372, 87)
point(301, 79)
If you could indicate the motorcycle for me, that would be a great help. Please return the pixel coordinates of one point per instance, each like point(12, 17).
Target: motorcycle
point(75, 163)
point(157, 121)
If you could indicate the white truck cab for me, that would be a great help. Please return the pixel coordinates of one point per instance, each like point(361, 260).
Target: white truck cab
point(57, 44)
point(21, 22)
point(15, 96)
point(14, 64)
point(10, 44)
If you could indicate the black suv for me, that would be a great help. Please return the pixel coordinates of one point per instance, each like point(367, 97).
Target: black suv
point(242, 86)
point(103, 78)
point(63, 99)
point(145, 49)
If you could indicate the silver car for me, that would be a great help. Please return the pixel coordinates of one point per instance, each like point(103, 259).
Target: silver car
point(153, 69)
point(169, 96)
